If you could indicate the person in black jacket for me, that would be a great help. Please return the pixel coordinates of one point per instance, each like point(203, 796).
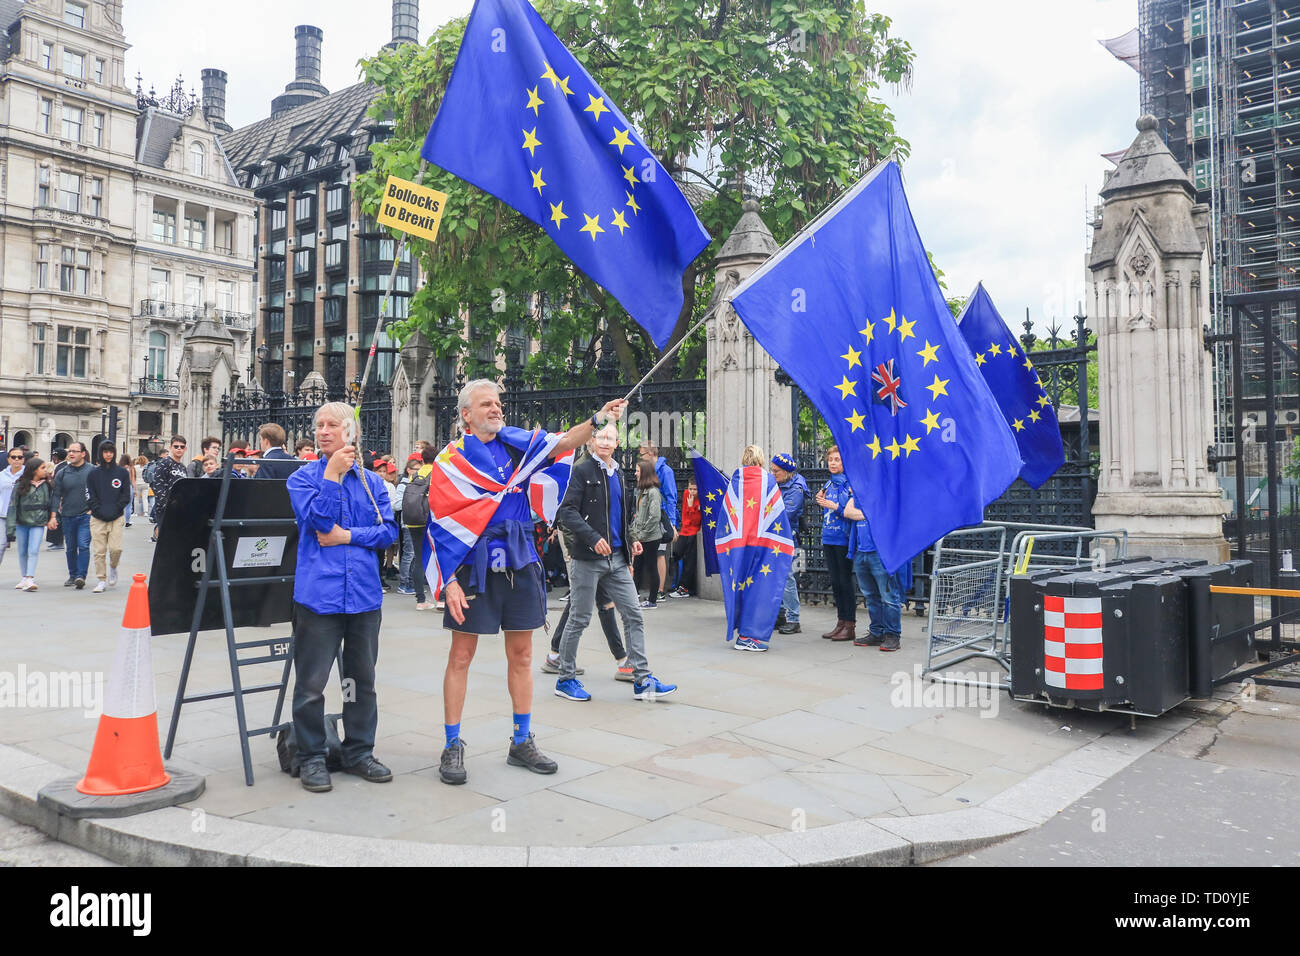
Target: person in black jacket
point(271, 437)
point(595, 511)
point(108, 487)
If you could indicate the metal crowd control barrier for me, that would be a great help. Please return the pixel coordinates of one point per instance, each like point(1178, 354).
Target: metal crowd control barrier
point(969, 612)
point(1276, 610)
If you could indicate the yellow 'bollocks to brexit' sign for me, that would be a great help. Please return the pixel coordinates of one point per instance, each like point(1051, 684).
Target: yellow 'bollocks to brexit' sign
point(411, 208)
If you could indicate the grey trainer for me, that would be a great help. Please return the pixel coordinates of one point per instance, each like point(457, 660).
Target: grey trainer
point(452, 768)
point(527, 755)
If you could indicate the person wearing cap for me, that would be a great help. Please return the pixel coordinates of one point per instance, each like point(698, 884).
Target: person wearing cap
point(794, 491)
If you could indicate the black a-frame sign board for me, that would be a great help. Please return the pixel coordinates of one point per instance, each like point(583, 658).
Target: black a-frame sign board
point(218, 535)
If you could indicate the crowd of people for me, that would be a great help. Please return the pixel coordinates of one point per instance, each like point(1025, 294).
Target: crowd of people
point(364, 525)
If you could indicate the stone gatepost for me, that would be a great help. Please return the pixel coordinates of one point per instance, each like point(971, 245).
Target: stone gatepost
point(207, 371)
point(410, 416)
point(1149, 288)
point(745, 405)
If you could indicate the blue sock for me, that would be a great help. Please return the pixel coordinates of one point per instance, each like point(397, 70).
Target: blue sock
point(453, 731)
point(521, 727)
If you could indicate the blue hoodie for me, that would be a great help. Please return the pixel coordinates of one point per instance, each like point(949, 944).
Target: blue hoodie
point(793, 494)
point(835, 527)
point(667, 488)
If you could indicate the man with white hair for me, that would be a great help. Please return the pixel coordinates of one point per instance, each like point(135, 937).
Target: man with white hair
point(344, 518)
point(482, 491)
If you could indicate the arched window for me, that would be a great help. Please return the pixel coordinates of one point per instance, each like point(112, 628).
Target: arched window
point(157, 356)
point(198, 159)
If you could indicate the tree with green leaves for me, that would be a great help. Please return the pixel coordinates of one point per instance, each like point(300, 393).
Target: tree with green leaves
point(777, 97)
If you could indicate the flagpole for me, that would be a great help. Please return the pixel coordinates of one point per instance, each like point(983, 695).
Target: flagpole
point(669, 354)
point(360, 384)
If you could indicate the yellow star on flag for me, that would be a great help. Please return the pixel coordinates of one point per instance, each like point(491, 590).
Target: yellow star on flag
point(1018, 424)
point(538, 182)
point(891, 320)
point(856, 420)
point(596, 106)
point(928, 354)
point(765, 569)
point(893, 448)
point(1028, 364)
point(592, 226)
point(632, 202)
point(847, 388)
point(1011, 351)
point(874, 445)
point(938, 386)
point(620, 140)
point(777, 526)
point(534, 100)
point(564, 85)
point(869, 330)
point(905, 330)
point(775, 549)
point(1043, 401)
point(558, 214)
point(852, 356)
point(711, 495)
point(995, 349)
point(708, 510)
point(979, 358)
point(630, 176)
point(930, 421)
point(750, 502)
point(619, 221)
point(1035, 415)
point(909, 446)
point(550, 75)
point(712, 524)
point(531, 142)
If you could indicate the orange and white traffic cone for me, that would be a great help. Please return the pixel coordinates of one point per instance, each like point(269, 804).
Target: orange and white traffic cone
point(126, 757)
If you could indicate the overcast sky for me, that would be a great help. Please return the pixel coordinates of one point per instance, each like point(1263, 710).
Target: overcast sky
point(1011, 106)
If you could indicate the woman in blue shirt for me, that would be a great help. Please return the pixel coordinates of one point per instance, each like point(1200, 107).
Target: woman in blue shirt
point(832, 497)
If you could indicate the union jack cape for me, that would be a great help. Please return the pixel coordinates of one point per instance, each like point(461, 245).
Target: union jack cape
point(465, 491)
point(755, 550)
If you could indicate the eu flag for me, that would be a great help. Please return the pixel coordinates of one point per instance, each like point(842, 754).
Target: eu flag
point(754, 549)
point(521, 119)
point(1011, 378)
point(711, 485)
point(852, 310)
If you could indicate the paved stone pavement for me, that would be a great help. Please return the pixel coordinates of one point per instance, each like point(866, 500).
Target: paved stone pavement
point(806, 735)
point(27, 846)
point(1221, 793)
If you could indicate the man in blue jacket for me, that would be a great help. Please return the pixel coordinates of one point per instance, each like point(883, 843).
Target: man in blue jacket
point(344, 518)
point(649, 451)
point(794, 490)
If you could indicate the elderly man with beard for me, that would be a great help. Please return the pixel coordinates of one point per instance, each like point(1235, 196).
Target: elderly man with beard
point(482, 480)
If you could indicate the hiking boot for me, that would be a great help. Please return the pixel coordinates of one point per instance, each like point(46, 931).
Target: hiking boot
point(868, 640)
point(891, 642)
point(527, 755)
point(452, 767)
point(839, 626)
point(847, 633)
point(315, 776)
point(370, 769)
point(789, 627)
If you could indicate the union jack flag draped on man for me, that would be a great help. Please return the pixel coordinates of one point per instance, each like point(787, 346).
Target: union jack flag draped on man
point(464, 493)
point(755, 550)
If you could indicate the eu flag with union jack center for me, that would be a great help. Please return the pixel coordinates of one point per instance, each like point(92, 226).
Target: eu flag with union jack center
point(755, 549)
point(1011, 378)
point(523, 120)
point(852, 310)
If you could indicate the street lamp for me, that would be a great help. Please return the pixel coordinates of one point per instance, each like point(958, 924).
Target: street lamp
point(262, 353)
point(155, 445)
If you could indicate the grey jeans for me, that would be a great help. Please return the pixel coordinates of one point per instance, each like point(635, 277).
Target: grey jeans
point(583, 577)
point(790, 599)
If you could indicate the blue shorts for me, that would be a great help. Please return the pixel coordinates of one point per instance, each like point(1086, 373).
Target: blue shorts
point(512, 601)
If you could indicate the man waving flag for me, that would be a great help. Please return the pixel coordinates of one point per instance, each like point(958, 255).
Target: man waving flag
point(523, 120)
point(852, 310)
point(1019, 392)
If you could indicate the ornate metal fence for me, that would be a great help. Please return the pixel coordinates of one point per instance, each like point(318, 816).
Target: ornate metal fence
point(245, 411)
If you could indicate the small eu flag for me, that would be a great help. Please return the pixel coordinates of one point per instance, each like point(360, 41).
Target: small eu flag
point(712, 487)
point(523, 120)
point(851, 309)
point(1014, 383)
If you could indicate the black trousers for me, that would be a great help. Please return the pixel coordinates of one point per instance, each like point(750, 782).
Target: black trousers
point(645, 569)
point(316, 641)
point(684, 550)
point(843, 586)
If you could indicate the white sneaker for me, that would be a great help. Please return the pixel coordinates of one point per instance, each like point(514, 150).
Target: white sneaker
point(21, 585)
point(99, 588)
point(112, 577)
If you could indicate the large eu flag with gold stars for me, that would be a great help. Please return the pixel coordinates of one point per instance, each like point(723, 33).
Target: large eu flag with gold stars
point(852, 310)
point(521, 119)
point(1016, 386)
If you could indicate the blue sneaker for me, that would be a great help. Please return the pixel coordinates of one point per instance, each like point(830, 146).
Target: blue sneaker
point(750, 644)
point(651, 689)
point(402, 590)
point(571, 689)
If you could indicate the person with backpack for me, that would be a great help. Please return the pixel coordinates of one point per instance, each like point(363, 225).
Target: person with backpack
point(109, 488)
point(27, 518)
point(415, 522)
